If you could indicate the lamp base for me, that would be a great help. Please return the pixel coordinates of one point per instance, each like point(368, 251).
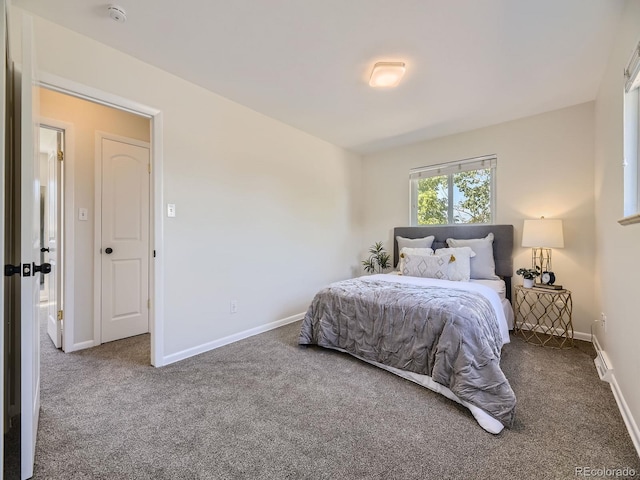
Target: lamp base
point(541, 259)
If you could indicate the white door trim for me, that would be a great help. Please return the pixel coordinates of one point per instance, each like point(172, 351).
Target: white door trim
point(3, 161)
point(68, 228)
point(3, 166)
point(156, 290)
point(97, 229)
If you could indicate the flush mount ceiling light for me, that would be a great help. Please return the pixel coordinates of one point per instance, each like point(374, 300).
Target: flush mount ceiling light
point(386, 74)
point(117, 13)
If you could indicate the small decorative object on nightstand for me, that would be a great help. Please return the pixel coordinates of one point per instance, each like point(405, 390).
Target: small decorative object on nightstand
point(543, 317)
point(528, 274)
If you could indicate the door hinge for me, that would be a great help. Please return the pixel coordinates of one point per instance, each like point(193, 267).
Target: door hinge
point(60, 155)
point(60, 315)
point(148, 303)
point(149, 167)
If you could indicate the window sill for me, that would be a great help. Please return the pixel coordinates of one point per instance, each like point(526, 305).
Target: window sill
point(630, 220)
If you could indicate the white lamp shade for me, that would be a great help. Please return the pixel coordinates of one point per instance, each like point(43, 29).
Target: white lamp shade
point(544, 233)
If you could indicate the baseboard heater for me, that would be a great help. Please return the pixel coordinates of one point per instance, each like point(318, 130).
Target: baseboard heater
point(602, 362)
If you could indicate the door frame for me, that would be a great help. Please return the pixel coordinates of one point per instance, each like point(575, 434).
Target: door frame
point(97, 228)
point(68, 230)
point(156, 265)
point(3, 165)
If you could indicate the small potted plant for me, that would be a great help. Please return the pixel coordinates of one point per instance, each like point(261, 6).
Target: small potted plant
point(528, 275)
point(378, 259)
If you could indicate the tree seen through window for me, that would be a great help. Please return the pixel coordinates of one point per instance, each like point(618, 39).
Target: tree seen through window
point(462, 197)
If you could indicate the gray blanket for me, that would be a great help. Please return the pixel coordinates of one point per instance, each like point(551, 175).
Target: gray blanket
point(451, 335)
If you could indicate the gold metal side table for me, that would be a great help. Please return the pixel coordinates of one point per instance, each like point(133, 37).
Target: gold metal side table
point(543, 317)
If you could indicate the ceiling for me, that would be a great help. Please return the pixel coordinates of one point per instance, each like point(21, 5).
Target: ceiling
point(470, 63)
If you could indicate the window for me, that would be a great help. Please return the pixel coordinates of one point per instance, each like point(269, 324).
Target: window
point(456, 192)
point(632, 139)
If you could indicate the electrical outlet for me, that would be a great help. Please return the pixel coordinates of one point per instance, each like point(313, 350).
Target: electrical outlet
point(603, 321)
point(233, 306)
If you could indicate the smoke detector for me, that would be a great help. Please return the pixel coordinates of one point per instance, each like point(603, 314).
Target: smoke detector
point(117, 13)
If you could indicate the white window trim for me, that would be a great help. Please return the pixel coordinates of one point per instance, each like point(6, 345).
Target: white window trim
point(631, 135)
point(476, 163)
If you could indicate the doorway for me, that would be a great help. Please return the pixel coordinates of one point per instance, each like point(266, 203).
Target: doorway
point(90, 285)
point(51, 153)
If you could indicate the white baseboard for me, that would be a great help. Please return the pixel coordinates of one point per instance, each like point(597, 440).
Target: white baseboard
point(629, 421)
point(205, 347)
point(576, 335)
point(81, 346)
point(586, 337)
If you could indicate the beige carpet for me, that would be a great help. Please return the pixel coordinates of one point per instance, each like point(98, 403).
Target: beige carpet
point(265, 408)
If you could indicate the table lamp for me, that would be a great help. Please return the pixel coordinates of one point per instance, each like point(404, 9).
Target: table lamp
point(542, 235)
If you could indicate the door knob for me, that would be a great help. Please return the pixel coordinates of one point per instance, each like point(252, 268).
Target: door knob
point(44, 268)
point(108, 250)
point(44, 249)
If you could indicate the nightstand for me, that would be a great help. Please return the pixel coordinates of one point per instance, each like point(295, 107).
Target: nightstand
point(543, 317)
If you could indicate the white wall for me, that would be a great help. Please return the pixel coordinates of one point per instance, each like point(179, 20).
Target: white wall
point(545, 167)
point(86, 118)
point(266, 214)
point(618, 247)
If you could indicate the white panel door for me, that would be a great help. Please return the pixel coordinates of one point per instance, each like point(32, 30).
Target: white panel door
point(125, 240)
point(29, 254)
point(51, 240)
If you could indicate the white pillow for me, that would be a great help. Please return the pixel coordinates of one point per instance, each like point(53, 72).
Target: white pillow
point(460, 264)
point(483, 266)
point(411, 251)
point(427, 266)
point(425, 242)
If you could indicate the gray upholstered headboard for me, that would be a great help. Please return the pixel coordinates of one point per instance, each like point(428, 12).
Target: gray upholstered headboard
point(502, 242)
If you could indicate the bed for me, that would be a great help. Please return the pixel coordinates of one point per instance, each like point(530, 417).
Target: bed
point(502, 253)
point(444, 335)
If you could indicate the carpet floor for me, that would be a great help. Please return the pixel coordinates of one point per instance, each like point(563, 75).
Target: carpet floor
point(266, 408)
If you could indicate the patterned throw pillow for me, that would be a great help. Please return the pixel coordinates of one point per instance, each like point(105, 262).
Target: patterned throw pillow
point(460, 266)
point(412, 251)
point(431, 266)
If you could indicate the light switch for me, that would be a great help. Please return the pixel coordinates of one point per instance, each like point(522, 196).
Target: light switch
point(83, 214)
point(171, 210)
